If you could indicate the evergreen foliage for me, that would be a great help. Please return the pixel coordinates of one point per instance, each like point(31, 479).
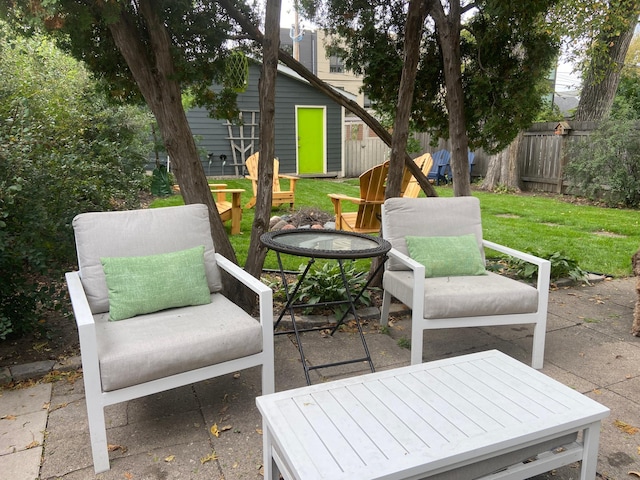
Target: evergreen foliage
point(63, 150)
point(507, 51)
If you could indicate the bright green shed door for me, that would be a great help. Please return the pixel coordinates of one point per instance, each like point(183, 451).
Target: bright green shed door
point(310, 134)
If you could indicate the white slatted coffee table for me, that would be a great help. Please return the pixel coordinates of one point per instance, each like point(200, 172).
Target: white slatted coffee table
point(456, 418)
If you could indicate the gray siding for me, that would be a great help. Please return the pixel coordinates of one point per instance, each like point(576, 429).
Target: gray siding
point(212, 135)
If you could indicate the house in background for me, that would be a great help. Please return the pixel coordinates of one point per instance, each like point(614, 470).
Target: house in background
point(308, 129)
point(331, 69)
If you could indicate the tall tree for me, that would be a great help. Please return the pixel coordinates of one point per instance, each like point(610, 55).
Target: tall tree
point(156, 49)
point(481, 66)
point(267, 92)
point(415, 20)
point(606, 55)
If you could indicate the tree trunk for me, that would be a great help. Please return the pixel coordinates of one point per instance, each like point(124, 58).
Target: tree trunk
point(267, 93)
point(154, 72)
point(413, 33)
point(330, 92)
point(448, 30)
point(503, 169)
point(603, 76)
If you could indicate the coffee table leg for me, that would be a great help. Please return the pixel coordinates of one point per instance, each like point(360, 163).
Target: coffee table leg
point(590, 442)
point(268, 463)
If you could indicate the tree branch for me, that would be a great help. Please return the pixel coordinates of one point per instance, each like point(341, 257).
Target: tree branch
point(332, 93)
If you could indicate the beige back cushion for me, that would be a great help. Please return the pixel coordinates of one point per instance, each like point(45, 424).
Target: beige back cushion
point(136, 233)
point(429, 217)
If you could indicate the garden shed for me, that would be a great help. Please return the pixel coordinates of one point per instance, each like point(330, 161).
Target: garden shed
point(309, 129)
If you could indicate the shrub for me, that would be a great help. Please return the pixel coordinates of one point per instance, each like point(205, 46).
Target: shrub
point(561, 267)
point(63, 150)
point(324, 283)
point(606, 166)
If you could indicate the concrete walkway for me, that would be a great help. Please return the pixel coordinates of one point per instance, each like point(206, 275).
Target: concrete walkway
point(44, 433)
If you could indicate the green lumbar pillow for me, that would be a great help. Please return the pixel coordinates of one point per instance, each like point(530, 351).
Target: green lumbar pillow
point(447, 256)
point(139, 285)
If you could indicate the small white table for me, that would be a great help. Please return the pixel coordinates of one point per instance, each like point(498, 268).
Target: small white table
point(456, 418)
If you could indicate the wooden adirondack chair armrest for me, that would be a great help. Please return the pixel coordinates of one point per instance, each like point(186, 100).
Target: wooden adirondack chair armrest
point(221, 193)
point(292, 181)
point(338, 197)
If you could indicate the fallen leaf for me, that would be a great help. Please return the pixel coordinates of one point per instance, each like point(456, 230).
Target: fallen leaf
point(214, 430)
point(128, 476)
point(259, 431)
point(236, 375)
point(208, 458)
point(597, 391)
point(225, 428)
point(170, 458)
point(625, 427)
point(8, 417)
point(32, 445)
point(113, 448)
point(637, 474)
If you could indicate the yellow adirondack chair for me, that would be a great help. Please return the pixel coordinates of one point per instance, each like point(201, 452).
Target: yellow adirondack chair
point(228, 210)
point(372, 186)
point(280, 197)
point(410, 186)
point(367, 218)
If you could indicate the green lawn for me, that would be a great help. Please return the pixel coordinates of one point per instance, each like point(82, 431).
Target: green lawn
point(601, 240)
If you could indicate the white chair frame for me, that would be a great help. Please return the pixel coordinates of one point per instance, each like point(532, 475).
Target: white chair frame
point(97, 399)
point(419, 324)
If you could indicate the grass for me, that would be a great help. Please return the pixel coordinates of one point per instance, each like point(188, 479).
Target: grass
point(599, 239)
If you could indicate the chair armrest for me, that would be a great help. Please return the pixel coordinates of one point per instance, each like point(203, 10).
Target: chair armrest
point(288, 177)
point(544, 266)
point(359, 201)
point(86, 330)
point(79, 302)
point(514, 253)
point(237, 272)
point(406, 260)
point(265, 294)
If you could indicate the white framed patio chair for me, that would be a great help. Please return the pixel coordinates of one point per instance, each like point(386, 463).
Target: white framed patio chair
point(200, 336)
point(465, 298)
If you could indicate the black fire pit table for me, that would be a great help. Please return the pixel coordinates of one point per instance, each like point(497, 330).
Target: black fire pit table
point(325, 244)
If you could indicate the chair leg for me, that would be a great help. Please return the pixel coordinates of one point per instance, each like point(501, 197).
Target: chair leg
point(98, 434)
point(384, 311)
point(537, 351)
point(417, 339)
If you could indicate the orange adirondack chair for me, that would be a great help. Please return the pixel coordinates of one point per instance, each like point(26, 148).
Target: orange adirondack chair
point(280, 197)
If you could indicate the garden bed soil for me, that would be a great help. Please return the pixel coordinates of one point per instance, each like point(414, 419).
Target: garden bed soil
point(55, 339)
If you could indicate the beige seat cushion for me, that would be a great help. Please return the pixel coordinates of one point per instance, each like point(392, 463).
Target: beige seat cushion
point(172, 341)
point(466, 296)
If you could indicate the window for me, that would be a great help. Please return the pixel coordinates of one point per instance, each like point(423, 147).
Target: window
point(335, 64)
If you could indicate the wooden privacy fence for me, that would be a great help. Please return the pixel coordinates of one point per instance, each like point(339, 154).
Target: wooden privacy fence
point(542, 154)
